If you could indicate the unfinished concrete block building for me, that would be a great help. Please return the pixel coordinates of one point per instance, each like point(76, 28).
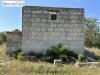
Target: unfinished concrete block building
point(43, 27)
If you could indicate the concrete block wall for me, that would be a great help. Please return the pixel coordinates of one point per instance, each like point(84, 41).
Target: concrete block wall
point(13, 41)
point(39, 32)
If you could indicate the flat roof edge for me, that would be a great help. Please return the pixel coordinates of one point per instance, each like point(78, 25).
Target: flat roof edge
point(53, 7)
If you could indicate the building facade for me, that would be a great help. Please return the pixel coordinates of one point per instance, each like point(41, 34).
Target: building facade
point(43, 27)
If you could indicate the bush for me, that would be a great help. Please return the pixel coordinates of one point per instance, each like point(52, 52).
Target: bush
point(55, 51)
point(2, 38)
point(14, 54)
point(31, 53)
point(81, 57)
point(20, 56)
point(70, 53)
point(61, 52)
point(37, 54)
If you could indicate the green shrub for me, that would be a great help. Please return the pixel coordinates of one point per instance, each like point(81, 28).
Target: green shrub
point(37, 54)
point(61, 52)
point(20, 56)
point(2, 37)
point(1, 41)
point(55, 51)
point(81, 57)
point(70, 53)
point(31, 53)
point(14, 54)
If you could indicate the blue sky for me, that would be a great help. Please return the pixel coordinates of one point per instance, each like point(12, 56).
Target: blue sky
point(11, 17)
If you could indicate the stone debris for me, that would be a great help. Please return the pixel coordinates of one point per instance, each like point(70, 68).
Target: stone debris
point(87, 64)
point(57, 62)
point(4, 63)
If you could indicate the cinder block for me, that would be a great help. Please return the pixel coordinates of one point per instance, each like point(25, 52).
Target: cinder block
point(34, 15)
point(27, 20)
point(67, 21)
point(27, 11)
point(66, 17)
point(43, 29)
point(61, 21)
point(73, 22)
point(37, 29)
point(38, 20)
point(44, 20)
point(50, 29)
point(27, 15)
point(33, 20)
point(59, 16)
point(60, 25)
point(45, 37)
point(34, 24)
point(61, 29)
point(69, 38)
point(73, 17)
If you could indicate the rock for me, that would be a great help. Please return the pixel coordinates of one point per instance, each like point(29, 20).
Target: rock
point(84, 64)
point(57, 62)
point(4, 63)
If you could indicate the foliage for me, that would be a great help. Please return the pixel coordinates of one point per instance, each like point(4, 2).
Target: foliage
point(60, 52)
point(2, 37)
point(37, 54)
point(55, 51)
point(92, 32)
point(81, 57)
point(70, 53)
point(31, 53)
point(15, 53)
point(20, 56)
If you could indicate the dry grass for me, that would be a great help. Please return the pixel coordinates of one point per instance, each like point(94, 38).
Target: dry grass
point(3, 51)
point(16, 67)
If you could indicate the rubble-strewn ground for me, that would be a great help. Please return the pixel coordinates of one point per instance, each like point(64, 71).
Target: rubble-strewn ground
point(95, 50)
point(16, 67)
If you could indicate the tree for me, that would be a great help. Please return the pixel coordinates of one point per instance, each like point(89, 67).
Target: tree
point(92, 32)
point(2, 37)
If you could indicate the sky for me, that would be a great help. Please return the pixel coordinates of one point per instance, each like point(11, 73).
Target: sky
point(11, 17)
